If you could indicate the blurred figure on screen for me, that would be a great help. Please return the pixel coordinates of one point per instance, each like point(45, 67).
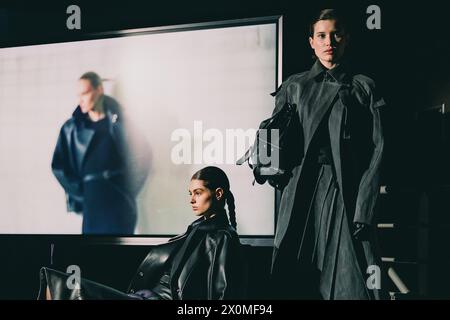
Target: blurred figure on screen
point(101, 164)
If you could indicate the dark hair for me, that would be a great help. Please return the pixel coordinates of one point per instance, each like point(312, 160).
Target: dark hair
point(328, 14)
point(93, 78)
point(214, 178)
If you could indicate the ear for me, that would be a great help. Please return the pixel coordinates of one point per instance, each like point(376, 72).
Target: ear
point(311, 42)
point(219, 193)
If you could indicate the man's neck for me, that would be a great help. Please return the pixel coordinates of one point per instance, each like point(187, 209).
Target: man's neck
point(96, 115)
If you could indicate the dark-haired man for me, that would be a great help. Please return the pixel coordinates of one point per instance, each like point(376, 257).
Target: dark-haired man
point(99, 162)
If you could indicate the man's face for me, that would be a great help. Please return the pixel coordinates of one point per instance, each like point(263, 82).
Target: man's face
point(87, 95)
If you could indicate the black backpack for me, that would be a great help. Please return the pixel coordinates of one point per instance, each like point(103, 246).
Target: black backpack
point(260, 155)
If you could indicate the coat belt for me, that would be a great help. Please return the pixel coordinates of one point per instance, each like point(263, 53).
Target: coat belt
point(103, 175)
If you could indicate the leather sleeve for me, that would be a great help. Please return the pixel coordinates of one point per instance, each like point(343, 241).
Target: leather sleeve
point(65, 174)
point(225, 272)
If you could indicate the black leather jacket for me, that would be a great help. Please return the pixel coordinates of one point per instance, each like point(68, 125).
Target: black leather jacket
point(73, 143)
point(205, 263)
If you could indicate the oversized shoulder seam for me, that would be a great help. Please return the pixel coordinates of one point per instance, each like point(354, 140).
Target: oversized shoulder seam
point(292, 78)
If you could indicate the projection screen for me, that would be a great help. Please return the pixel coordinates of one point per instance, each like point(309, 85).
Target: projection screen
point(195, 92)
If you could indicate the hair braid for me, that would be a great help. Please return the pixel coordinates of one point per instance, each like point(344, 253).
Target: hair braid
point(231, 209)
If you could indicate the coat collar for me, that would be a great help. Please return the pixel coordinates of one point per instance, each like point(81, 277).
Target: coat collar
point(219, 221)
point(83, 135)
point(338, 73)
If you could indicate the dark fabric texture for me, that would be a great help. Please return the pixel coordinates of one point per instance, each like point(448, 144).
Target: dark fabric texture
point(335, 185)
point(102, 166)
point(205, 263)
point(107, 208)
point(102, 153)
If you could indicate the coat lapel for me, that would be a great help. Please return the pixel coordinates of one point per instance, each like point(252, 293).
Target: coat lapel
point(82, 136)
point(81, 141)
point(196, 232)
point(321, 98)
point(335, 129)
point(183, 250)
point(314, 98)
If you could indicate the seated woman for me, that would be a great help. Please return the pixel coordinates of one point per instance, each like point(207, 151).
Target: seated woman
point(203, 263)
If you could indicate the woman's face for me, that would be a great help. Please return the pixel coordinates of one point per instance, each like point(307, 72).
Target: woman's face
point(203, 199)
point(328, 42)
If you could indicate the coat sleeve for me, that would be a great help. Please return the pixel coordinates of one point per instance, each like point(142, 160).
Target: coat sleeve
point(370, 182)
point(225, 275)
point(65, 174)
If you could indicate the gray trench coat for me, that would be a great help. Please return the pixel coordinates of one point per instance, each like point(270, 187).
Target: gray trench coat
point(351, 106)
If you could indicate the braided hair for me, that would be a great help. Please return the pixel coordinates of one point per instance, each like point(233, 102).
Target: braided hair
point(214, 178)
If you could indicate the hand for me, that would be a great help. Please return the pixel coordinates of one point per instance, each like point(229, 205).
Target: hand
point(361, 231)
point(279, 181)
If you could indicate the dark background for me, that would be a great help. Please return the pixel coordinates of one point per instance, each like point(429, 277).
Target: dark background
point(409, 60)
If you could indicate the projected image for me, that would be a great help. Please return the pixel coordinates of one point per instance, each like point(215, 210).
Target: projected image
point(103, 136)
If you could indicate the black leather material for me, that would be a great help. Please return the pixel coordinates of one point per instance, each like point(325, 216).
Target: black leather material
point(204, 263)
point(270, 157)
point(73, 143)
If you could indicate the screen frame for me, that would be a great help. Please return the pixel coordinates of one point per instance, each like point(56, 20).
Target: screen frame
point(140, 239)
